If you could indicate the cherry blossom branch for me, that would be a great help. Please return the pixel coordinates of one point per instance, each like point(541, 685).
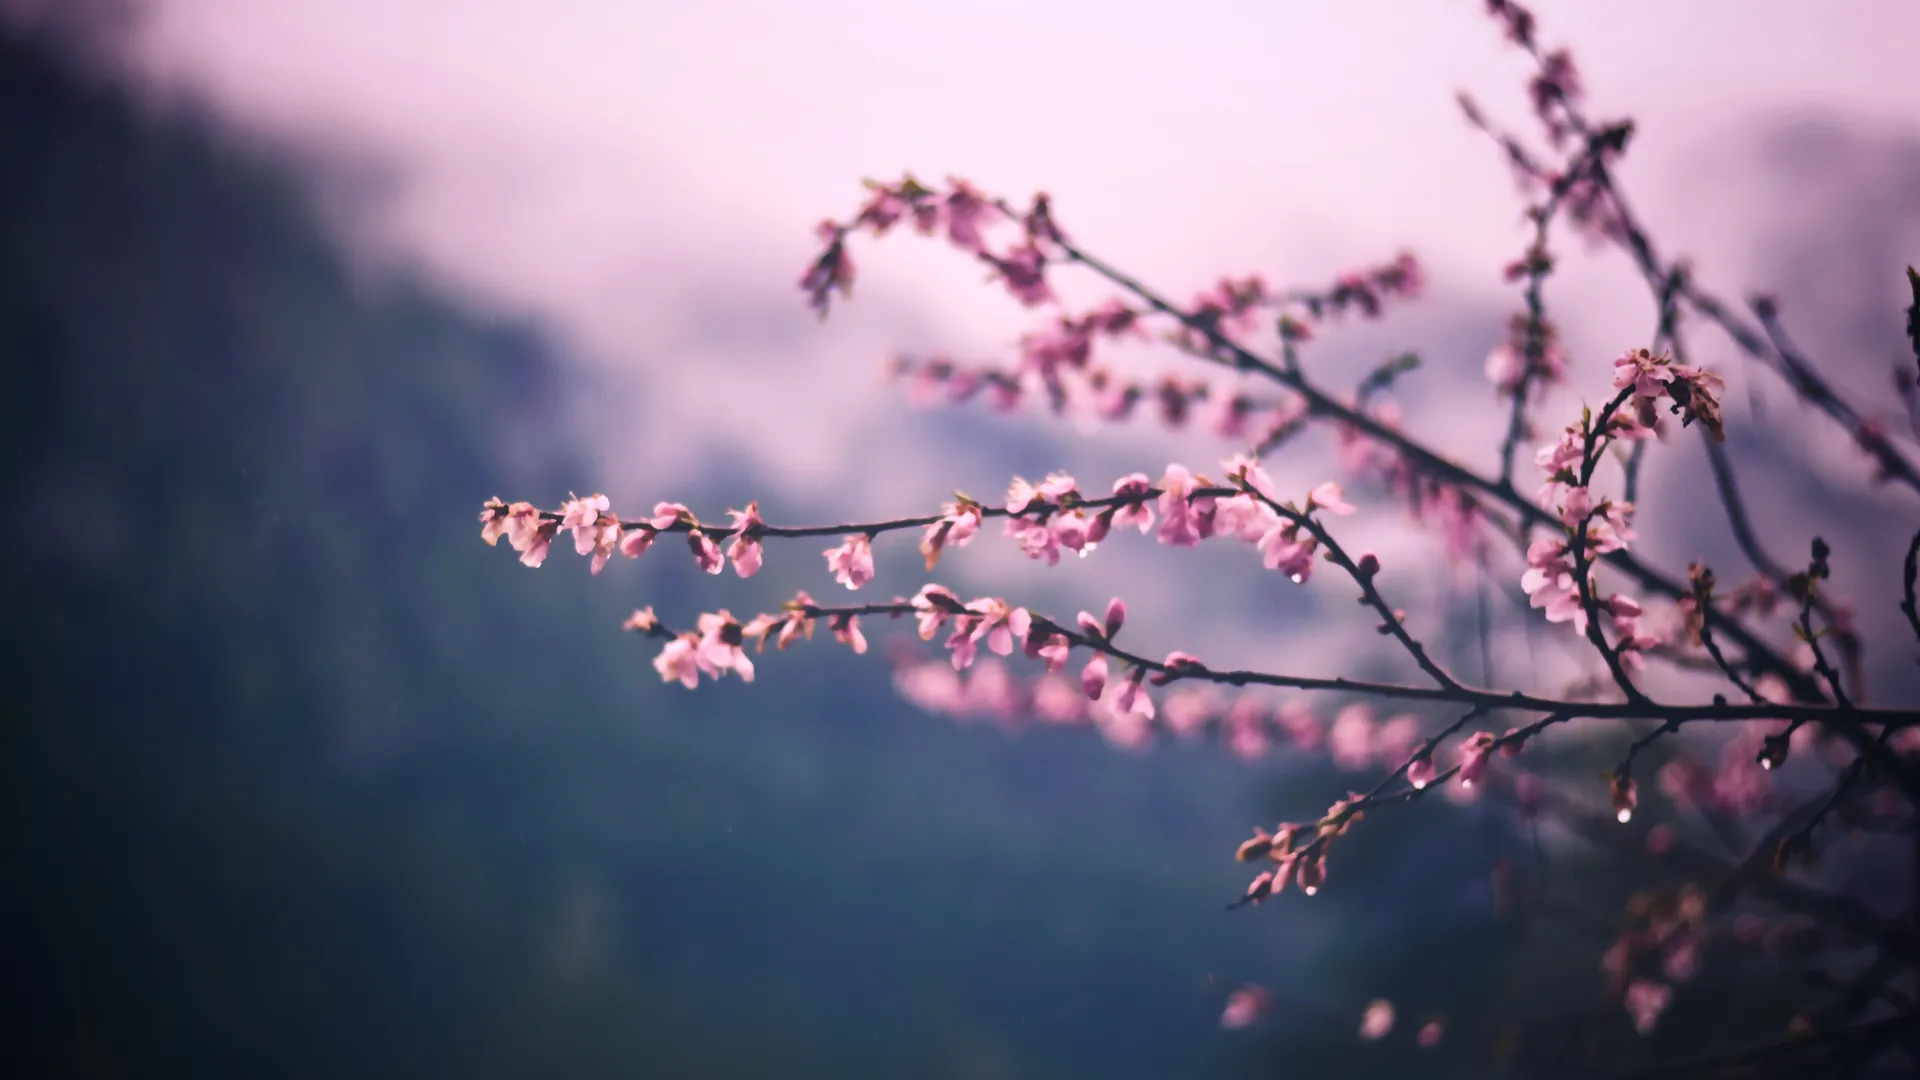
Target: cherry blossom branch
point(1362, 571)
point(1581, 536)
point(1539, 362)
point(1319, 403)
point(533, 530)
point(1205, 326)
point(1622, 227)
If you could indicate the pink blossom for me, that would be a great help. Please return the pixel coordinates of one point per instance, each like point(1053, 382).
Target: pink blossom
point(1646, 1000)
point(1683, 782)
point(1000, 624)
point(1132, 486)
point(1350, 741)
point(833, 270)
point(493, 521)
point(1421, 771)
point(1056, 701)
point(1054, 649)
point(579, 515)
point(1504, 367)
point(1245, 1006)
point(1073, 531)
point(1430, 1034)
point(1473, 757)
point(1036, 538)
point(1177, 664)
point(1023, 270)
point(705, 552)
point(680, 661)
point(518, 524)
point(1328, 497)
point(1646, 373)
point(636, 541)
point(1377, 1021)
point(1577, 504)
point(1186, 712)
point(935, 604)
point(846, 630)
point(1285, 550)
point(1297, 720)
point(606, 538)
point(668, 514)
point(1247, 470)
point(1394, 741)
point(958, 522)
point(883, 208)
point(538, 542)
point(720, 640)
point(1128, 726)
point(852, 562)
point(1185, 519)
point(1068, 345)
point(744, 551)
point(1023, 496)
point(934, 687)
point(966, 212)
point(964, 643)
point(1549, 582)
point(1561, 461)
point(1245, 728)
point(1682, 960)
point(1133, 699)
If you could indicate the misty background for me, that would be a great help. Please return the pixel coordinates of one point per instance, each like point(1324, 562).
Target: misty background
point(303, 779)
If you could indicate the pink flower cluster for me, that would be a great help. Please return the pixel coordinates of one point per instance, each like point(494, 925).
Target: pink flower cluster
point(598, 532)
point(1248, 723)
point(964, 215)
point(1694, 393)
point(1448, 511)
point(1593, 527)
point(1509, 364)
point(1099, 395)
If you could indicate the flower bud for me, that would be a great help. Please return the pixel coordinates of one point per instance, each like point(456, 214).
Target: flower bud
point(1625, 798)
point(1773, 752)
point(1256, 848)
point(1310, 874)
point(1421, 772)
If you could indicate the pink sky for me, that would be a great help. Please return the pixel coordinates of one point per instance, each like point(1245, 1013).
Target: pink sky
point(599, 160)
point(646, 175)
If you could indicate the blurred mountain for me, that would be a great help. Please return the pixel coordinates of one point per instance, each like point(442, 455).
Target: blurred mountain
point(303, 779)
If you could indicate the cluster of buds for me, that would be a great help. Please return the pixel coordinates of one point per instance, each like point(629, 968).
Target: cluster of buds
point(1305, 866)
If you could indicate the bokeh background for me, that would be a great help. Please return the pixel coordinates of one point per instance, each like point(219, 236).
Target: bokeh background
point(302, 779)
